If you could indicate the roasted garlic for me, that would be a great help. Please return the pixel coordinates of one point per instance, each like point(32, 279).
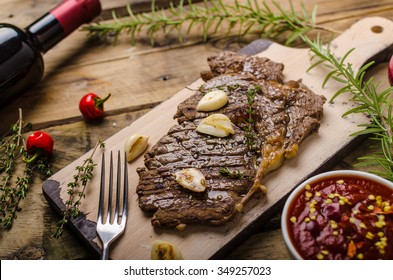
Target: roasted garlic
point(134, 146)
point(163, 250)
point(191, 178)
point(213, 100)
point(217, 125)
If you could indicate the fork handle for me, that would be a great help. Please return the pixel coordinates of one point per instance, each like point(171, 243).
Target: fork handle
point(105, 252)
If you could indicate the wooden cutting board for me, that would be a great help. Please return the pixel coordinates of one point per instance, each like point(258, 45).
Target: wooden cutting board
point(371, 38)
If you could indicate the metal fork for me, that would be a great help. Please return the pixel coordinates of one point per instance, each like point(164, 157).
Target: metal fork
point(110, 229)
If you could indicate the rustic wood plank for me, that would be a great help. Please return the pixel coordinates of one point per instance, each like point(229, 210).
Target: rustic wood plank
point(267, 244)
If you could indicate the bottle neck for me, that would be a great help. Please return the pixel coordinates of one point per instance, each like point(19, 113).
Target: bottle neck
point(55, 25)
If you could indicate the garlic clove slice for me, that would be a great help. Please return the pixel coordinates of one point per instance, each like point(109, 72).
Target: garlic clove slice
point(163, 250)
point(191, 178)
point(217, 125)
point(212, 100)
point(135, 145)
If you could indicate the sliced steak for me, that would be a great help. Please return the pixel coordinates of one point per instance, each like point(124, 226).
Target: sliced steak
point(305, 110)
point(267, 130)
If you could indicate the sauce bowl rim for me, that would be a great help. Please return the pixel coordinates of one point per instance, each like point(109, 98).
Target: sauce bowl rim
point(284, 216)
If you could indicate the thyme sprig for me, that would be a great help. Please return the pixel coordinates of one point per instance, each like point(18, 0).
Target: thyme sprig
point(212, 17)
point(76, 190)
point(249, 126)
point(14, 186)
point(367, 99)
point(234, 174)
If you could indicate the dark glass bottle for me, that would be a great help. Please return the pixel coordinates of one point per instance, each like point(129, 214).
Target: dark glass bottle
point(21, 61)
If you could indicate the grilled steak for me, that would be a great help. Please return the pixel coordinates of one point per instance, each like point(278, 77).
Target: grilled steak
point(261, 68)
point(270, 120)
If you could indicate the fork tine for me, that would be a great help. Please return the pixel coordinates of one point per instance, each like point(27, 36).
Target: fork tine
point(102, 190)
point(110, 194)
point(125, 195)
point(116, 218)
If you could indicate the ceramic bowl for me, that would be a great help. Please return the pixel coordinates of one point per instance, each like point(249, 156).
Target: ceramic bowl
point(307, 186)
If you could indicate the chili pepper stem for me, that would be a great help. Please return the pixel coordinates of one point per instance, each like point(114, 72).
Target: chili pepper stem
point(33, 158)
point(100, 101)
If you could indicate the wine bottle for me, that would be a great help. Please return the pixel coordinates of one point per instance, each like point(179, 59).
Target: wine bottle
point(21, 51)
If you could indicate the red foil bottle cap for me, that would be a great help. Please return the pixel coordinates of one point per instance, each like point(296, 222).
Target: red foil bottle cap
point(73, 13)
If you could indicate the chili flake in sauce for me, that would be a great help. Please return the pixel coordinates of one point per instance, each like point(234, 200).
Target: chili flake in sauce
point(343, 218)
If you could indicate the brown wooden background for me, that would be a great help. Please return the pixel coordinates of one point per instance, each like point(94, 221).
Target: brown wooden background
point(139, 77)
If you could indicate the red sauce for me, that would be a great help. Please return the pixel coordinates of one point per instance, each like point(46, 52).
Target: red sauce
point(343, 218)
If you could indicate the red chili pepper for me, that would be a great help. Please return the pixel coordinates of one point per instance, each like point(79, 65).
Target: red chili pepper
point(92, 106)
point(39, 144)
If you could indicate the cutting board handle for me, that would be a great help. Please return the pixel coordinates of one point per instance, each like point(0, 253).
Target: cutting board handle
point(371, 38)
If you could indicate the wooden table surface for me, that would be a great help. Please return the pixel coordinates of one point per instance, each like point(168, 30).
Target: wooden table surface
point(139, 77)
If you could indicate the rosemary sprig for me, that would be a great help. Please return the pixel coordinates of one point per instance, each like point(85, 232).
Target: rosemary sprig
point(367, 99)
point(76, 190)
point(14, 186)
point(254, 16)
